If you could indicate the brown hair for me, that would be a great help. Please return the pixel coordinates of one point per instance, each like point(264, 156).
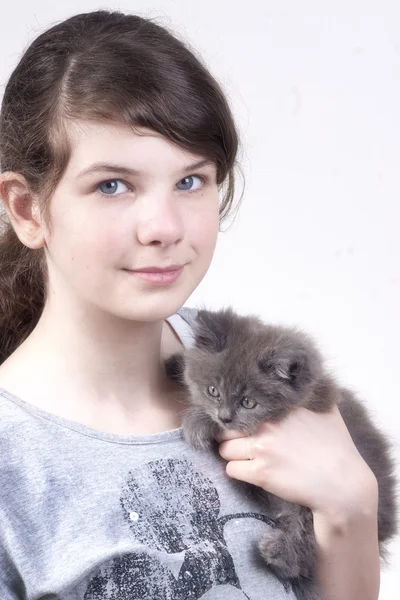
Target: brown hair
point(106, 66)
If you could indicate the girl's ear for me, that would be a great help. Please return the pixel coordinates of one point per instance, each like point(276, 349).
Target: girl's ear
point(22, 209)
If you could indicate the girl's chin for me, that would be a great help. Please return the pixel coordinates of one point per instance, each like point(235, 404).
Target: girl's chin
point(152, 309)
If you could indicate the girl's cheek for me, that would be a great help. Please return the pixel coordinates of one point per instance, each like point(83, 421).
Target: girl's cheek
point(204, 224)
point(108, 240)
point(207, 230)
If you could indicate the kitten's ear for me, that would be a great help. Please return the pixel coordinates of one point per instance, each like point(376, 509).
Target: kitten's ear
point(212, 328)
point(296, 370)
point(300, 371)
point(175, 366)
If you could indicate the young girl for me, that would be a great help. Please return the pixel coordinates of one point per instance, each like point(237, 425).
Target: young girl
point(118, 151)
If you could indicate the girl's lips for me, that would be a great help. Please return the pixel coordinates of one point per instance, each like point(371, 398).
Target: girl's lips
point(158, 276)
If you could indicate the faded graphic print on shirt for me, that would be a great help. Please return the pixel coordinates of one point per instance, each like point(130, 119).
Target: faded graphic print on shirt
point(173, 511)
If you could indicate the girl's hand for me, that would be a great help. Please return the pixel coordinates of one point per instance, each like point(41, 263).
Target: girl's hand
point(308, 458)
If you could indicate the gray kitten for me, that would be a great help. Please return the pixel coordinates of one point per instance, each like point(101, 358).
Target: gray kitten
point(241, 372)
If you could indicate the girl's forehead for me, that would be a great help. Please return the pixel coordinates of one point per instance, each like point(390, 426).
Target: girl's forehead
point(80, 130)
point(144, 150)
point(101, 138)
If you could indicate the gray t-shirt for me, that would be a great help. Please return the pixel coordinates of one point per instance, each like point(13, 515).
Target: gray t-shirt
point(89, 515)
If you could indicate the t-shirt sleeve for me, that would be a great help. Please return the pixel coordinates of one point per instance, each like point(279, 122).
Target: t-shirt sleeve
point(182, 322)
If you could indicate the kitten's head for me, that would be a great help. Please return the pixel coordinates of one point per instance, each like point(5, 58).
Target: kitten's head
point(243, 372)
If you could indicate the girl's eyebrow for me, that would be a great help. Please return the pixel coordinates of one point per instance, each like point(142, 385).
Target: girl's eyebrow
point(110, 168)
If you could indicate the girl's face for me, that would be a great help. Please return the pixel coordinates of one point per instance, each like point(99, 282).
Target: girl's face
point(126, 203)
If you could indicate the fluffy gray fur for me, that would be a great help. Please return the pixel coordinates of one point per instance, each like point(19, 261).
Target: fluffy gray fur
point(242, 372)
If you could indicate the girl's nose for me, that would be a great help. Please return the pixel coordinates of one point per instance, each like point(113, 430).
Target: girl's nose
point(161, 223)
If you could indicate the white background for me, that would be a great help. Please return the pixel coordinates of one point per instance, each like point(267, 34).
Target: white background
point(315, 88)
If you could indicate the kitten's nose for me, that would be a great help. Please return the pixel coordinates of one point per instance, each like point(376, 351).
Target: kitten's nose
point(224, 416)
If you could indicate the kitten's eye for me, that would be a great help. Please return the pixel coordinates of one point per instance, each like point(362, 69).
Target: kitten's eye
point(248, 403)
point(213, 391)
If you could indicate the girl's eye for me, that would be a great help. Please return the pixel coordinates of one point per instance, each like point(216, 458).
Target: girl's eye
point(110, 186)
point(189, 184)
point(213, 391)
point(248, 403)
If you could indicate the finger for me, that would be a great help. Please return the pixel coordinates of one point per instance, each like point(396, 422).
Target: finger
point(237, 449)
point(245, 470)
point(228, 434)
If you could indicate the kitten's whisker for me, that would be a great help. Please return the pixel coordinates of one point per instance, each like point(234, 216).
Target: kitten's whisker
point(246, 428)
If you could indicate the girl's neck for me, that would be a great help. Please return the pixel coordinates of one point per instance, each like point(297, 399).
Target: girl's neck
point(105, 372)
